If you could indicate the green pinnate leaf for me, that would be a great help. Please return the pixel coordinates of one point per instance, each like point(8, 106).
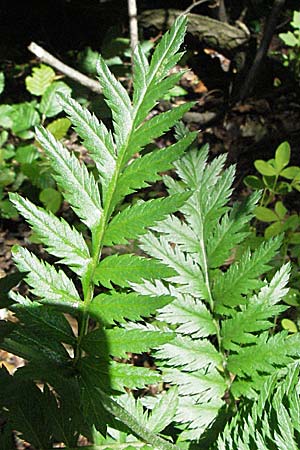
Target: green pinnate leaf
point(256, 315)
point(41, 78)
point(163, 411)
point(42, 320)
point(241, 277)
point(158, 70)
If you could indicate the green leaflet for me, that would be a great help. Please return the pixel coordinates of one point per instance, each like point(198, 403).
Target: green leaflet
point(193, 318)
point(188, 273)
point(155, 127)
point(121, 341)
point(50, 105)
point(23, 342)
point(133, 221)
point(117, 307)
point(42, 320)
point(96, 138)
point(61, 239)
point(230, 231)
point(115, 376)
point(52, 286)
point(242, 276)
point(164, 57)
point(80, 188)
point(254, 317)
point(144, 170)
point(196, 355)
point(269, 420)
point(114, 408)
point(118, 101)
point(122, 270)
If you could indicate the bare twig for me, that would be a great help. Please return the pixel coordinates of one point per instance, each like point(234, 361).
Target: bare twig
point(222, 11)
point(133, 24)
point(49, 59)
point(189, 9)
point(262, 51)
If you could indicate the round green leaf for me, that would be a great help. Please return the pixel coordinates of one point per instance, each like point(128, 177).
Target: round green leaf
point(2, 82)
point(265, 168)
point(295, 239)
point(283, 188)
point(5, 119)
point(51, 199)
point(289, 325)
point(59, 127)
point(292, 222)
point(282, 155)
point(50, 105)
point(289, 39)
point(253, 182)
point(291, 172)
point(292, 298)
point(265, 214)
point(27, 154)
point(273, 230)
point(280, 210)
point(40, 80)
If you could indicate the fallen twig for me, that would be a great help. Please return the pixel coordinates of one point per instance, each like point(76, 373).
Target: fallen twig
point(133, 24)
point(49, 59)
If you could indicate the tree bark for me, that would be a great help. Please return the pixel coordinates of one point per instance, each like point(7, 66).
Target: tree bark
point(220, 36)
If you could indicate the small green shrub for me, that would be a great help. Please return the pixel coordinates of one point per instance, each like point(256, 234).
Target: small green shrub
point(292, 41)
point(211, 323)
point(20, 157)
